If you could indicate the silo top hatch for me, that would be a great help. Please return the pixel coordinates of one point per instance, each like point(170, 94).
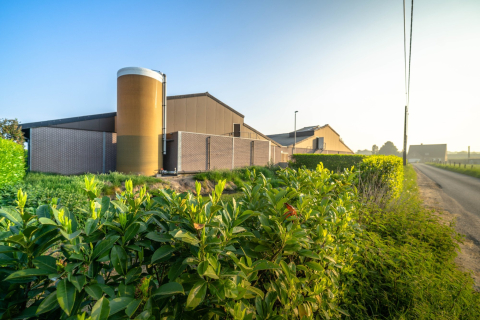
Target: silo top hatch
point(140, 71)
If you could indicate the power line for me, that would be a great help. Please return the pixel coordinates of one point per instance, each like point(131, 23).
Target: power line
point(407, 82)
point(410, 54)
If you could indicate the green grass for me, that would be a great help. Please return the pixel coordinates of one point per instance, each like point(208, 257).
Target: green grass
point(42, 187)
point(469, 169)
point(239, 175)
point(405, 268)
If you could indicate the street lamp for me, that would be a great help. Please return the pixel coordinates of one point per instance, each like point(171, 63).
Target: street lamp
point(295, 134)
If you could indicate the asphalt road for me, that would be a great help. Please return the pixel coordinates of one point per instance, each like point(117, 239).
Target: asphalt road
point(462, 188)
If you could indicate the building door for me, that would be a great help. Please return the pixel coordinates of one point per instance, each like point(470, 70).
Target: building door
point(236, 130)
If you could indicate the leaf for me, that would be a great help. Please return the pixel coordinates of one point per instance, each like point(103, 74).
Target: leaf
point(78, 282)
point(71, 236)
point(162, 252)
point(90, 226)
point(126, 291)
point(199, 226)
point(264, 265)
point(176, 269)
point(315, 266)
point(196, 295)
point(46, 262)
point(47, 221)
point(131, 231)
point(66, 294)
point(101, 309)
point(186, 237)
point(169, 289)
point(245, 215)
point(105, 205)
point(104, 245)
point(261, 248)
point(27, 273)
point(132, 307)
point(159, 237)
point(12, 215)
point(133, 275)
point(48, 304)
point(204, 269)
point(107, 289)
point(118, 304)
point(94, 291)
point(309, 254)
point(119, 259)
point(5, 249)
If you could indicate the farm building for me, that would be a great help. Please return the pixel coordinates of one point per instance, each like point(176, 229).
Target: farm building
point(151, 132)
point(427, 152)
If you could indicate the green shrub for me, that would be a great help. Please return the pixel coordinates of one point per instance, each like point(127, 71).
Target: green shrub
point(469, 169)
point(177, 256)
point(382, 174)
point(334, 162)
point(12, 162)
point(405, 267)
point(239, 175)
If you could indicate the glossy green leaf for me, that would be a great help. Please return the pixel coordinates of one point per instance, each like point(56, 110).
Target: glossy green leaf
point(118, 304)
point(196, 295)
point(91, 226)
point(315, 266)
point(6, 249)
point(107, 289)
point(12, 215)
point(66, 294)
point(103, 246)
point(28, 273)
point(48, 304)
point(119, 259)
point(264, 265)
point(162, 252)
point(46, 262)
point(131, 231)
point(159, 237)
point(47, 221)
point(132, 307)
point(133, 274)
point(94, 291)
point(308, 254)
point(101, 309)
point(78, 281)
point(169, 289)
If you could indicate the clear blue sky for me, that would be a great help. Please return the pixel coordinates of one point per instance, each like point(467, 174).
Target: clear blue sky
point(336, 62)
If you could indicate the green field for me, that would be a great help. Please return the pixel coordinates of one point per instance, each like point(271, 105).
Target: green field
point(468, 169)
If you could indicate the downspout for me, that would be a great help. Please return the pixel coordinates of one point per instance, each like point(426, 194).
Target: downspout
point(164, 130)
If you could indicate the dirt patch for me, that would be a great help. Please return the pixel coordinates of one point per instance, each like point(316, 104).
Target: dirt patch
point(187, 183)
point(449, 211)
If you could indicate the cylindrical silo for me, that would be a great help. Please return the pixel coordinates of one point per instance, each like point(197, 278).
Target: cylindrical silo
point(139, 121)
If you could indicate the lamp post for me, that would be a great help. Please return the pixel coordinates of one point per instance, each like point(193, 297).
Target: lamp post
point(295, 132)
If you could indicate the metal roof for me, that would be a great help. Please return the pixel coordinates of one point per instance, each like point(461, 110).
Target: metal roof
point(66, 120)
point(285, 140)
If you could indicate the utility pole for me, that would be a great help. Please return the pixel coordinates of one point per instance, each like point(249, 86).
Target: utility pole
point(295, 132)
point(405, 137)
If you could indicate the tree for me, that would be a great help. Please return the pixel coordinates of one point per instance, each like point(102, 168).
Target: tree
point(11, 130)
point(374, 149)
point(388, 149)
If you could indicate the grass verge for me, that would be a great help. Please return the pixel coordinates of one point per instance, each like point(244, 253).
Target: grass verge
point(238, 175)
point(405, 267)
point(469, 170)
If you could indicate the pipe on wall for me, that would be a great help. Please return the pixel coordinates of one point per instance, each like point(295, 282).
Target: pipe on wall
point(164, 131)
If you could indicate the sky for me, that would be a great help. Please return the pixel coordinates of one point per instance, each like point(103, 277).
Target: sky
point(336, 62)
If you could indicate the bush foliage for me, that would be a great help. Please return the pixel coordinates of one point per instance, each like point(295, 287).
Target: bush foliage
point(334, 162)
point(383, 174)
point(12, 162)
point(177, 256)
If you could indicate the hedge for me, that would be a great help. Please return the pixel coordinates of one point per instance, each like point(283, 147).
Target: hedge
point(383, 172)
point(378, 171)
point(334, 162)
point(12, 162)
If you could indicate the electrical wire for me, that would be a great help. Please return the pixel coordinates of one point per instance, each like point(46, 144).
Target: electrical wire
point(405, 51)
point(410, 55)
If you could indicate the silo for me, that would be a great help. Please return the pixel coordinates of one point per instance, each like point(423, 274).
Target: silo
point(139, 121)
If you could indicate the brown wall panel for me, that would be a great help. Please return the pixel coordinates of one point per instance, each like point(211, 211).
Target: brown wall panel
point(201, 114)
point(228, 121)
point(219, 119)
point(193, 152)
point(171, 116)
point(221, 152)
point(242, 153)
point(180, 122)
point(211, 116)
point(261, 151)
point(191, 114)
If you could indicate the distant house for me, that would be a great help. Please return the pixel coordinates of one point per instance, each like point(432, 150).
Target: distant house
point(427, 152)
point(315, 139)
